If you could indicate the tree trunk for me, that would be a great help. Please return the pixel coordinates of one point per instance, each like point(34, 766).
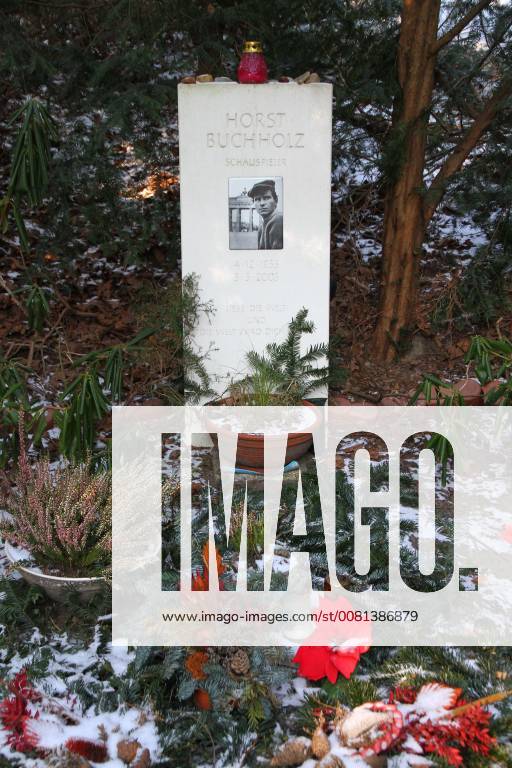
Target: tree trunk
point(404, 226)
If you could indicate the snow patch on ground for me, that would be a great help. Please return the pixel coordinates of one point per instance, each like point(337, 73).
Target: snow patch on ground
point(61, 716)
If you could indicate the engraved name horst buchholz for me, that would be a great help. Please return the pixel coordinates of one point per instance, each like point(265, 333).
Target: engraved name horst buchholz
point(255, 130)
point(256, 204)
point(256, 213)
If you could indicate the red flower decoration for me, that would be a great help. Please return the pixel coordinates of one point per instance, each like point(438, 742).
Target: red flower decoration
point(316, 662)
point(92, 750)
point(15, 717)
point(200, 582)
point(405, 694)
point(201, 579)
point(446, 737)
point(20, 686)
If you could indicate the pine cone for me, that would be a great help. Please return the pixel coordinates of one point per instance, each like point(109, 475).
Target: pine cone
point(240, 663)
point(320, 743)
point(143, 760)
point(127, 750)
point(331, 761)
point(294, 752)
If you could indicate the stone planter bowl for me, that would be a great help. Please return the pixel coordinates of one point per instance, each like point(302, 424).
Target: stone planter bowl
point(56, 587)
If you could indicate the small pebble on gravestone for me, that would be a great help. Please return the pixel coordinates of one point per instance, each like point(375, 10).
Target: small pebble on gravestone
point(189, 80)
point(204, 79)
point(313, 78)
point(224, 80)
point(302, 78)
point(284, 79)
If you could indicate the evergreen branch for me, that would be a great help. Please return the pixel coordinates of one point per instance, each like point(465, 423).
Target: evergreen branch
point(446, 83)
point(459, 26)
point(257, 361)
point(65, 6)
point(455, 160)
point(479, 64)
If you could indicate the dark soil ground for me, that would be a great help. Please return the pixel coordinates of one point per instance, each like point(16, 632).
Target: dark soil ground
point(96, 303)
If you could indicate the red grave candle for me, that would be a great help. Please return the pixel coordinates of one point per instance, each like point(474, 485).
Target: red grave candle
point(252, 67)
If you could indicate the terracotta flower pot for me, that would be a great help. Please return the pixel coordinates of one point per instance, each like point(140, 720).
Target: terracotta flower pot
point(251, 446)
point(394, 400)
point(443, 392)
point(470, 390)
point(56, 587)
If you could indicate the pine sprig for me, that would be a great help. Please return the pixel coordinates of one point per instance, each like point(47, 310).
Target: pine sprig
point(282, 374)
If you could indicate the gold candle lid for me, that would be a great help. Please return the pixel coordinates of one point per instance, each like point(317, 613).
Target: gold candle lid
point(252, 46)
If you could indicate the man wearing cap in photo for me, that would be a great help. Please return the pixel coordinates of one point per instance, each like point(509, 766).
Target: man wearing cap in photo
point(270, 230)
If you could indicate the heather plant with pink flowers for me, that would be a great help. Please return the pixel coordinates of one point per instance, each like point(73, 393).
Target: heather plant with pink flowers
point(62, 516)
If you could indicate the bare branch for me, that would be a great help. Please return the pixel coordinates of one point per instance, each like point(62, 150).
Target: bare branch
point(468, 142)
point(457, 28)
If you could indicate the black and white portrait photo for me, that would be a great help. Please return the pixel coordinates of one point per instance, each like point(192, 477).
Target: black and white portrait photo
point(256, 214)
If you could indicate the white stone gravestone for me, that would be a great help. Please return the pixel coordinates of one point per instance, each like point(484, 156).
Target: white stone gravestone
point(255, 181)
